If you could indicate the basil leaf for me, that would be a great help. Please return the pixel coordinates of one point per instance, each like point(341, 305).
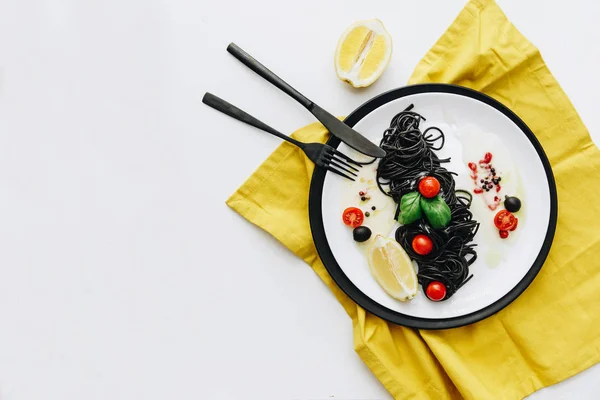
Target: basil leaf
point(410, 208)
point(437, 211)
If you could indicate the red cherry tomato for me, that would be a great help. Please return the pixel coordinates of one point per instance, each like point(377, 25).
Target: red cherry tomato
point(505, 220)
point(436, 291)
point(516, 223)
point(353, 216)
point(422, 244)
point(429, 187)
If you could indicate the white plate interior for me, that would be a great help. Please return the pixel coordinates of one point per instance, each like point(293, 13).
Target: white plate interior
point(500, 264)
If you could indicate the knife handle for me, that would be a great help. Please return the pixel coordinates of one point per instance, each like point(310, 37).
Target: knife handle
point(263, 71)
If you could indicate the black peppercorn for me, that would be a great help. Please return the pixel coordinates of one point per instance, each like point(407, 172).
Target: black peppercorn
point(363, 198)
point(367, 214)
point(373, 208)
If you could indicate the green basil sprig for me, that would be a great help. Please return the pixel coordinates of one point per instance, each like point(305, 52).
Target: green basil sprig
point(437, 211)
point(410, 208)
point(413, 206)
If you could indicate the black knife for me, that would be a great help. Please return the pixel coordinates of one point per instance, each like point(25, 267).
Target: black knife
point(336, 127)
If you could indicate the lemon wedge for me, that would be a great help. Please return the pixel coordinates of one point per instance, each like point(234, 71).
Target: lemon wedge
point(392, 268)
point(363, 52)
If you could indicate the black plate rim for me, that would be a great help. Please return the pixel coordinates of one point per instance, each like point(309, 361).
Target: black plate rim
point(346, 285)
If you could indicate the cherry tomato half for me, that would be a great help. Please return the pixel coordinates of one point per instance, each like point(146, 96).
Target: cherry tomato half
point(429, 187)
point(422, 244)
point(505, 220)
point(353, 216)
point(436, 291)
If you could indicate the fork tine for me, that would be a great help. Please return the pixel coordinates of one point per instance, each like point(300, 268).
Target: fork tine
point(332, 157)
point(344, 163)
point(341, 166)
point(345, 157)
point(329, 168)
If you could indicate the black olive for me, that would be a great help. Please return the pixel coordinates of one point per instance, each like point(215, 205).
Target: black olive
point(361, 233)
point(512, 204)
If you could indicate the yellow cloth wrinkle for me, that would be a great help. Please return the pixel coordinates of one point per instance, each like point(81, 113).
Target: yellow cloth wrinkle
point(518, 354)
point(549, 333)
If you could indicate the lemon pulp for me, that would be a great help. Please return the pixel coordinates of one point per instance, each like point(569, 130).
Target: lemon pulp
point(392, 268)
point(363, 52)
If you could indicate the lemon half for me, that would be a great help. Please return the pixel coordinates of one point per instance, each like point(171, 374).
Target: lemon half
point(392, 268)
point(363, 52)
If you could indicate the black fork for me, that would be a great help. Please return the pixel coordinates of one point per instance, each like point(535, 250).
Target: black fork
point(322, 155)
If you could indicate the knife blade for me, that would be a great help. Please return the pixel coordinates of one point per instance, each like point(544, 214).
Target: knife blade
point(346, 134)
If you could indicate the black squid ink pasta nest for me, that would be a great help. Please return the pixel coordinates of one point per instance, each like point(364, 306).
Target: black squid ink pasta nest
point(410, 157)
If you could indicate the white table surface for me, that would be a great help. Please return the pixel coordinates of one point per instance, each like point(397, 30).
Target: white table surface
point(123, 275)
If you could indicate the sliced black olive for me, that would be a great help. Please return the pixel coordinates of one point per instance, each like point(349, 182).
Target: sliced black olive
point(361, 233)
point(512, 203)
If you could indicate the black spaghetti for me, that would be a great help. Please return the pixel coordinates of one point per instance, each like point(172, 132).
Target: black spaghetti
point(410, 157)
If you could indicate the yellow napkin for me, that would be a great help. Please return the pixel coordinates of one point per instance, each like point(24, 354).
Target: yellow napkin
point(552, 331)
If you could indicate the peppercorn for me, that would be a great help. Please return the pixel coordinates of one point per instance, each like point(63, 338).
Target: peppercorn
point(499, 178)
point(363, 198)
point(481, 181)
point(367, 214)
point(493, 170)
point(361, 193)
point(373, 208)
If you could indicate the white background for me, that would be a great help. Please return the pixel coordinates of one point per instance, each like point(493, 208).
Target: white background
point(123, 275)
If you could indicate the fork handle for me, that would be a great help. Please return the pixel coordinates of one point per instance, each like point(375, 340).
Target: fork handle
point(229, 109)
point(264, 72)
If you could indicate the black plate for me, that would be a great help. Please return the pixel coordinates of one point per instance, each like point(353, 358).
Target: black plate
point(340, 278)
